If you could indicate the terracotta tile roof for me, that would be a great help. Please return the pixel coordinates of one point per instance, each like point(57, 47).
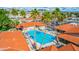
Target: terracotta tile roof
point(53, 48)
point(10, 49)
point(70, 28)
point(75, 48)
point(28, 24)
point(69, 47)
point(13, 41)
point(70, 38)
point(50, 48)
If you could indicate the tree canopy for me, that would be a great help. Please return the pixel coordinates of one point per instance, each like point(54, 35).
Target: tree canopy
point(14, 12)
point(23, 13)
point(5, 22)
point(34, 13)
point(58, 14)
point(47, 16)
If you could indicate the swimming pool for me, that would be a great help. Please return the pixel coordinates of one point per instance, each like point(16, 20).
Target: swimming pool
point(41, 37)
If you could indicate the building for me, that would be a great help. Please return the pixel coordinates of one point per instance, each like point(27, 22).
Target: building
point(13, 41)
point(69, 47)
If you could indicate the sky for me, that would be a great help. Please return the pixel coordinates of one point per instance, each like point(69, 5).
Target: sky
point(64, 9)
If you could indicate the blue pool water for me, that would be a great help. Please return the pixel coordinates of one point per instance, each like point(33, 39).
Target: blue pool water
point(41, 36)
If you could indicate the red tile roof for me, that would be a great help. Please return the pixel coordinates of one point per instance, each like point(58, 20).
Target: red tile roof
point(70, 28)
point(69, 47)
point(50, 48)
point(9, 49)
point(13, 41)
point(70, 38)
point(28, 24)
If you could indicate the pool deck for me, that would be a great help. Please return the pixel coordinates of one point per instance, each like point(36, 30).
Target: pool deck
point(30, 41)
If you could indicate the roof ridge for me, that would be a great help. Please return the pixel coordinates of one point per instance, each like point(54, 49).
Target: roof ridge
point(73, 47)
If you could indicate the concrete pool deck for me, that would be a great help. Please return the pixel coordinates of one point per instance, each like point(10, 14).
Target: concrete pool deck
point(30, 39)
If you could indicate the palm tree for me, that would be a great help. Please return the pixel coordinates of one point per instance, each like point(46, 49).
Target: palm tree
point(47, 16)
point(34, 14)
point(14, 23)
point(5, 22)
point(14, 12)
point(58, 14)
point(23, 13)
point(3, 17)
